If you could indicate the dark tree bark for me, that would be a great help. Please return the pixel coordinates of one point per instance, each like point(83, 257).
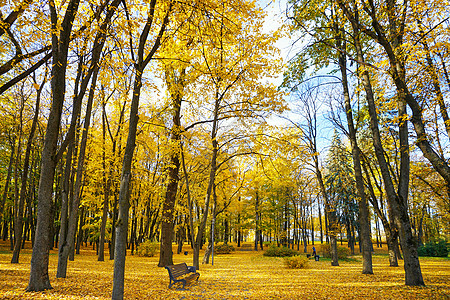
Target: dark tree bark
point(8, 176)
point(389, 226)
point(122, 221)
point(18, 202)
point(210, 249)
point(256, 220)
point(364, 221)
point(69, 244)
point(212, 174)
point(175, 84)
point(107, 187)
point(413, 274)
point(39, 279)
point(12, 17)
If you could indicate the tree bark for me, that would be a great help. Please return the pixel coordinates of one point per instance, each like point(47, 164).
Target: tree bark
point(175, 85)
point(256, 220)
point(69, 243)
point(364, 221)
point(413, 274)
point(18, 218)
point(39, 279)
point(8, 176)
point(107, 187)
point(122, 222)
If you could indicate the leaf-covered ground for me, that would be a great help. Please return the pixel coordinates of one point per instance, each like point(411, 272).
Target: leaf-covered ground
point(241, 275)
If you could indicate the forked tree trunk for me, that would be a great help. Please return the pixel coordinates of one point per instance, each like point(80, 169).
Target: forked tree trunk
point(413, 274)
point(39, 279)
point(124, 205)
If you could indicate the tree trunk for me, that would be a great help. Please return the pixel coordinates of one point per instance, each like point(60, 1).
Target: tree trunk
point(256, 220)
point(364, 221)
point(122, 222)
point(20, 198)
point(68, 245)
point(413, 274)
point(80, 231)
point(175, 85)
point(8, 176)
point(107, 187)
point(39, 279)
point(210, 249)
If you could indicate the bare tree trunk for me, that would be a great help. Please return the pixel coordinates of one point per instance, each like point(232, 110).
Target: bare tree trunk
point(69, 243)
point(210, 249)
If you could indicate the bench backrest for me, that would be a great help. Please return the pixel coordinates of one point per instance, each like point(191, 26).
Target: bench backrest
point(178, 270)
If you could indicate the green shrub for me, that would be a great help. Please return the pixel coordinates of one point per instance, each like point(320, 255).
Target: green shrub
point(296, 262)
point(275, 251)
point(223, 249)
point(343, 252)
point(435, 249)
point(147, 248)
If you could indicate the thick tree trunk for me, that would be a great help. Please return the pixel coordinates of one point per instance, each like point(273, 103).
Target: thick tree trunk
point(122, 222)
point(121, 225)
point(226, 236)
point(391, 233)
point(413, 274)
point(39, 279)
point(333, 249)
point(175, 85)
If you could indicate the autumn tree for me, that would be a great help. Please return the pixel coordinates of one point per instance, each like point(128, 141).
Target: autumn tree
point(140, 61)
point(39, 279)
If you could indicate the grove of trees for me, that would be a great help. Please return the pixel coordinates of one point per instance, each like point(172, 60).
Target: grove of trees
point(126, 121)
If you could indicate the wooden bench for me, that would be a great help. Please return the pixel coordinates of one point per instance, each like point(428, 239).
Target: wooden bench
point(181, 273)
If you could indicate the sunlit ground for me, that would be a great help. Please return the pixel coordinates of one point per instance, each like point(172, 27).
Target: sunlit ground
point(241, 275)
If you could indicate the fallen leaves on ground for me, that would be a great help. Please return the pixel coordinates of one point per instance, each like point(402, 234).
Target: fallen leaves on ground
point(240, 275)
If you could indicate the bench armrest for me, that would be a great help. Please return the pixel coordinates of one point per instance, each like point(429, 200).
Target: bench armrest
point(192, 269)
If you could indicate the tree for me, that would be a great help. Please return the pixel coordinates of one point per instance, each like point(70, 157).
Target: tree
point(39, 279)
point(67, 244)
point(175, 80)
point(18, 229)
point(142, 60)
